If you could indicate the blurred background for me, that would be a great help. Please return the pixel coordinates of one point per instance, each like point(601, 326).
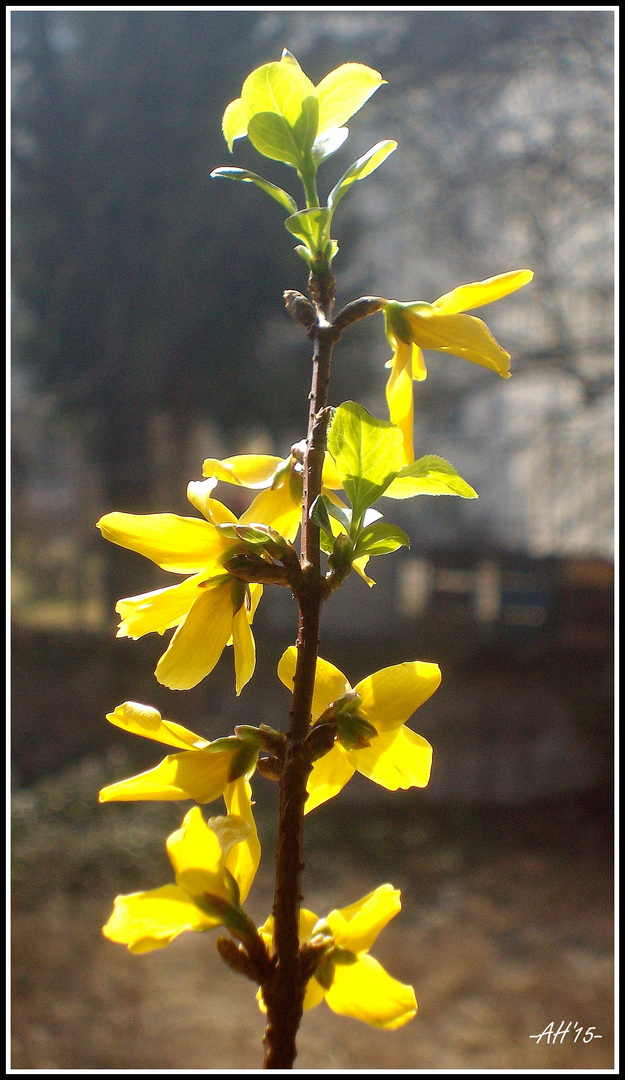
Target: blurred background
point(149, 333)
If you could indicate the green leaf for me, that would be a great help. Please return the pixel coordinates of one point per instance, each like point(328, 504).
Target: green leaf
point(311, 226)
point(365, 165)
point(380, 539)
point(278, 88)
point(327, 144)
point(305, 127)
point(343, 92)
point(319, 514)
point(326, 543)
point(283, 197)
point(274, 137)
point(430, 475)
point(368, 454)
point(235, 121)
point(343, 516)
point(304, 253)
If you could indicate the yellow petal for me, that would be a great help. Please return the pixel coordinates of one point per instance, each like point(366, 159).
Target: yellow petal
point(330, 683)
point(329, 776)
point(307, 924)
point(150, 920)
point(462, 335)
point(275, 507)
point(365, 991)
point(180, 544)
point(478, 293)
point(399, 395)
point(145, 721)
point(197, 857)
point(314, 994)
point(199, 641)
point(397, 759)
point(330, 477)
point(230, 830)
point(199, 495)
point(390, 696)
point(158, 611)
point(244, 649)
point(256, 591)
point(419, 372)
point(356, 927)
point(245, 470)
point(359, 566)
point(343, 92)
point(190, 775)
point(243, 858)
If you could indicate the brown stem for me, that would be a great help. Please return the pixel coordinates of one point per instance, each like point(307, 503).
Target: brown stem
point(284, 994)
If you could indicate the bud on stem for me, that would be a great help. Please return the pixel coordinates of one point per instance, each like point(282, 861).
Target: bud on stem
point(358, 309)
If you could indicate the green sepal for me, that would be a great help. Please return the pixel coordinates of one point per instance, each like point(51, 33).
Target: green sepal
point(239, 593)
point(396, 324)
point(247, 177)
point(243, 761)
point(431, 475)
point(349, 702)
point(343, 956)
point(220, 746)
point(262, 536)
point(380, 539)
point(248, 734)
point(368, 454)
point(365, 165)
point(281, 473)
point(355, 731)
point(324, 972)
point(346, 704)
point(229, 914)
point(296, 484)
point(218, 579)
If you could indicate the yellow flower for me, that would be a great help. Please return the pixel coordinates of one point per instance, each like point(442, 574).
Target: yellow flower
point(208, 608)
point(214, 864)
point(203, 771)
point(351, 981)
point(415, 326)
point(281, 500)
point(397, 756)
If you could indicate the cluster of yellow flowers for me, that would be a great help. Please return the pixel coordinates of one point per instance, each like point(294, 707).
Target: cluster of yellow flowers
point(215, 862)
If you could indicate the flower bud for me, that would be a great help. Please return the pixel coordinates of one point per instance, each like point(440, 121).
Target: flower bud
point(320, 740)
point(270, 740)
point(270, 767)
point(236, 958)
point(342, 552)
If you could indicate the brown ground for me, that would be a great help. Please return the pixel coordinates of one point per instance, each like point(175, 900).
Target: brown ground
point(506, 926)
